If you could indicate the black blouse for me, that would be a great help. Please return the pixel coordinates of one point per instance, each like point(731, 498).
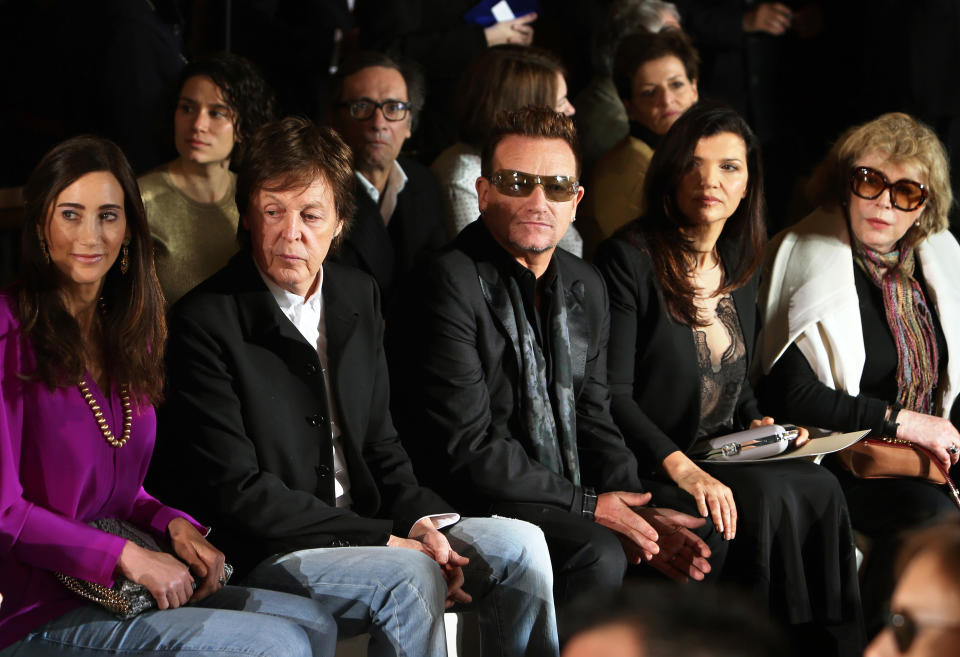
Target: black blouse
point(792, 389)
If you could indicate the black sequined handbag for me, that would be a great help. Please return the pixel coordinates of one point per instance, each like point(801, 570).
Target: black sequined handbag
point(125, 599)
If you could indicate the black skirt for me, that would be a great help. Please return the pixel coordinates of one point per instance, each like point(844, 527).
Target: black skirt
point(794, 547)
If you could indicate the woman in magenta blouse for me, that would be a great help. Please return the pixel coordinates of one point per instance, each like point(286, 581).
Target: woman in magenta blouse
point(81, 348)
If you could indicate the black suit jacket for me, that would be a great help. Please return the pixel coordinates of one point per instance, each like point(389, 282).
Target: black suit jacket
point(389, 252)
point(653, 371)
point(459, 403)
point(244, 439)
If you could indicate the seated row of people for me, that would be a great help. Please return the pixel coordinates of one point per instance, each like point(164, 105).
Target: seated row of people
point(255, 350)
point(319, 514)
point(300, 509)
point(403, 213)
point(276, 426)
point(221, 100)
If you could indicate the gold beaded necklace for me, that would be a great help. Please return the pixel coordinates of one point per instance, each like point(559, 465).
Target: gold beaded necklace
point(102, 421)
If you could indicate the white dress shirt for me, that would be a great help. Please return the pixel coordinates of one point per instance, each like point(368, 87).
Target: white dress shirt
point(308, 316)
point(396, 181)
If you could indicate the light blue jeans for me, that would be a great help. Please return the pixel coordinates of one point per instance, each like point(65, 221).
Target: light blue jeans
point(397, 595)
point(233, 622)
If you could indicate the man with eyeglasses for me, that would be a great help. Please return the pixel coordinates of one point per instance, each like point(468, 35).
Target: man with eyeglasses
point(399, 212)
point(499, 370)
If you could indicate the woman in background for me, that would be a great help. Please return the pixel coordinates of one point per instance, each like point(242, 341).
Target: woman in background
point(190, 204)
point(81, 352)
point(656, 78)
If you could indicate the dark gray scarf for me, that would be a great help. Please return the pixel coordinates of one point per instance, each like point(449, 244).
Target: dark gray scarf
point(550, 419)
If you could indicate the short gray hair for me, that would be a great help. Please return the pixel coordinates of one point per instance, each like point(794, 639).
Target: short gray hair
point(624, 17)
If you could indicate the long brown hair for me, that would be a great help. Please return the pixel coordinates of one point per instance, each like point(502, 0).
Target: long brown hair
point(133, 327)
point(672, 252)
point(502, 79)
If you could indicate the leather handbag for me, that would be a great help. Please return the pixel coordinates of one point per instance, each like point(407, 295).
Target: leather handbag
point(125, 599)
point(891, 458)
point(885, 458)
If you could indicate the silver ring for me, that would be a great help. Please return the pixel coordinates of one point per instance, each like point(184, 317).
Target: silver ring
point(222, 580)
point(953, 449)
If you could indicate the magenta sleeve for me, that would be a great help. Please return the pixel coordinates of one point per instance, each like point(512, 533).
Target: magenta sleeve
point(150, 512)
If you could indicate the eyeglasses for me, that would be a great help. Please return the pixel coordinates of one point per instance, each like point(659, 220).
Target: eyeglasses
point(905, 628)
point(518, 183)
point(906, 195)
point(363, 109)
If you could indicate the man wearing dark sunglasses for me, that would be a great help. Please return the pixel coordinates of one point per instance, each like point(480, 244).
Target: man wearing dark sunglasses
point(398, 218)
point(499, 371)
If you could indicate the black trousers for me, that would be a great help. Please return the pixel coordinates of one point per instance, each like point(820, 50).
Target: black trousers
point(588, 558)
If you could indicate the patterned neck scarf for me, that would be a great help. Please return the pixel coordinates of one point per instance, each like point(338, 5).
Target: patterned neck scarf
point(910, 323)
point(550, 419)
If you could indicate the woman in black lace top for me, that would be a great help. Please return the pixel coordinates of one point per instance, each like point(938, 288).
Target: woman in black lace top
point(683, 285)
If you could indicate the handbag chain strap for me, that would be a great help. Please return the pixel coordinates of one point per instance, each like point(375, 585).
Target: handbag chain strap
point(97, 593)
point(951, 487)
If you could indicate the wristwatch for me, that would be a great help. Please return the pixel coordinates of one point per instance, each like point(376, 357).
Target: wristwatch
point(890, 424)
point(589, 503)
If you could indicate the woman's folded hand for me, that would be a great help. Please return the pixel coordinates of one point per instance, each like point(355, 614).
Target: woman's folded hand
point(167, 579)
point(205, 561)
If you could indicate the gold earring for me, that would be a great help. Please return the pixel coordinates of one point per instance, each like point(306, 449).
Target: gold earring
point(43, 246)
point(125, 257)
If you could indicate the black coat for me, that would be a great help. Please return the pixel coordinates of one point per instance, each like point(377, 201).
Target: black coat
point(458, 359)
point(389, 252)
point(243, 437)
point(653, 372)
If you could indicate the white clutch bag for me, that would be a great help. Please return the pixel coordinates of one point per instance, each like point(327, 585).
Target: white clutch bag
point(749, 445)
